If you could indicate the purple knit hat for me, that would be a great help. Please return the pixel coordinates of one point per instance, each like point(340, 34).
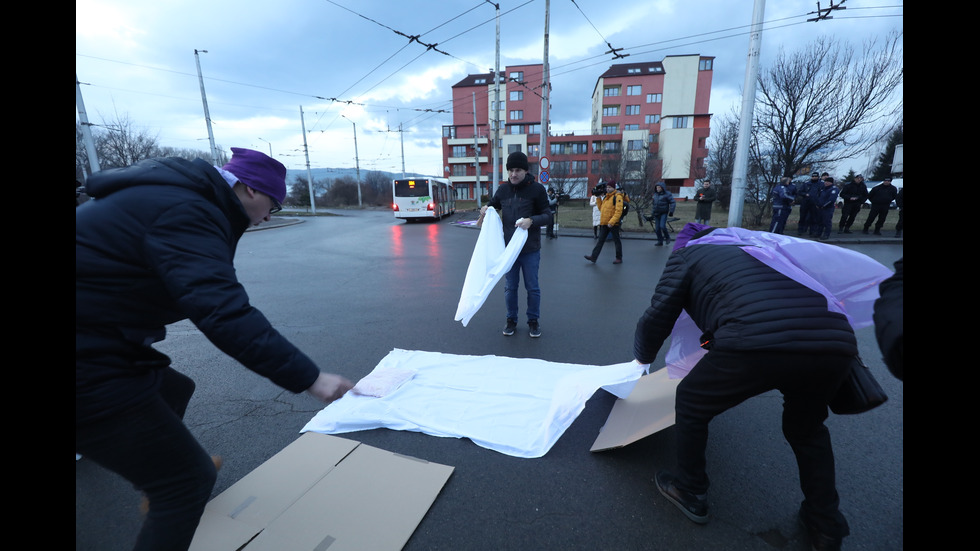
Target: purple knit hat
point(259, 172)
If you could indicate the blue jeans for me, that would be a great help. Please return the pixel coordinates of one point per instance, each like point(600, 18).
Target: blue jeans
point(149, 445)
point(528, 264)
point(660, 224)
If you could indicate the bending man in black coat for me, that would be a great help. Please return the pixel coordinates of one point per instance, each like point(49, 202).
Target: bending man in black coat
point(762, 331)
point(155, 246)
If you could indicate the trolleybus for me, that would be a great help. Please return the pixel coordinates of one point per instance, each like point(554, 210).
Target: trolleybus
point(422, 198)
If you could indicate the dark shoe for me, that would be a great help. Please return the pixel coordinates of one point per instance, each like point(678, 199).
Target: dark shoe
point(659, 244)
point(877, 232)
point(847, 231)
point(590, 259)
point(694, 507)
point(511, 327)
point(666, 240)
point(534, 330)
point(865, 231)
point(618, 261)
point(818, 540)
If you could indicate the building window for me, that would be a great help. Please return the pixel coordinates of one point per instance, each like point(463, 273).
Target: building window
point(459, 170)
point(449, 132)
point(596, 166)
point(635, 90)
point(610, 129)
point(557, 148)
point(653, 138)
point(634, 166)
point(459, 151)
point(611, 111)
point(610, 91)
point(480, 81)
point(517, 75)
point(513, 148)
point(533, 150)
point(634, 145)
point(655, 98)
point(680, 122)
point(632, 109)
point(705, 64)
point(534, 129)
point(652, 119)
point(517, 95)
point(559, 168)
point(517, 115)
point(578, 167)
point(579, 148)
point(515, 128)
point(610, 147)
point(631, 127)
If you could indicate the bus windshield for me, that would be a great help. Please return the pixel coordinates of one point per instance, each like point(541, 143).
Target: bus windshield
point(411, 188)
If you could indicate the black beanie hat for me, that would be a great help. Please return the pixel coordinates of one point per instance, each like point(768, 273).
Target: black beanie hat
point(517, 160)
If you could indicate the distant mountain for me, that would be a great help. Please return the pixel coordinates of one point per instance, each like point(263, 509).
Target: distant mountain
point(334, 173)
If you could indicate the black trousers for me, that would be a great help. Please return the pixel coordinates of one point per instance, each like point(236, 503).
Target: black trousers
point(604, 231)
point(848, 213)
point(149, 445)
point(722, 380)
point(879, 212)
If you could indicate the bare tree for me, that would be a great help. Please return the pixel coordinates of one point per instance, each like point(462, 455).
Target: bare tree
point(826, 103)
point(121, 143)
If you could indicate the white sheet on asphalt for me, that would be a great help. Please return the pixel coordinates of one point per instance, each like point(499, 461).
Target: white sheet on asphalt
point(516, 406)
point(490, 261)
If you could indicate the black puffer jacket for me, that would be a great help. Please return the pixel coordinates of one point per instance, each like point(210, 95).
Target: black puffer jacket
point(155, 246)
point(741, 305)
point(528, 199)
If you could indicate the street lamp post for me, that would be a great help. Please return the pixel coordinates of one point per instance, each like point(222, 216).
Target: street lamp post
point(357, 163)
point(270, 146)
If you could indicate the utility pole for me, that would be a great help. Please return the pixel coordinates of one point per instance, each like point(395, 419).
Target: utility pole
point(306, 150)
point(497, 176)
point(546, 85)
point(476, 152)
point(745, 120)
point(357, 162)
point(402, 137)
point(93, 159)
point(204, 98)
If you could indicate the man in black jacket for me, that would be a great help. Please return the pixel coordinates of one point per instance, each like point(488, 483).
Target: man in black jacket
point(881, 197)
point(154, 246)
point(854, 194)
point(751, 316)
point(522, 202)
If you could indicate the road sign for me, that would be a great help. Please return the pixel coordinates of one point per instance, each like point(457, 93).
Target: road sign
point(544, 163)
point(543, 176)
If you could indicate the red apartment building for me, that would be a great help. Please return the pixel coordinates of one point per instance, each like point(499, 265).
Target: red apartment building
point(650, 123)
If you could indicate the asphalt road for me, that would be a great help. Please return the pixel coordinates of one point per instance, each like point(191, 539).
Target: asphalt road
point(348, 289)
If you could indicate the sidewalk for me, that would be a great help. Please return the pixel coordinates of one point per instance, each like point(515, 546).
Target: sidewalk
point(468, 219)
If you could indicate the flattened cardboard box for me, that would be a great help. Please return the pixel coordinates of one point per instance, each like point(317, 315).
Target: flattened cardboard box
point(323, 492)
point(648, 409)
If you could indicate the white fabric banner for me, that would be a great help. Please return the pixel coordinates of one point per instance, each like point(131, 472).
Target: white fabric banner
point(490, 261)
point(516, 406)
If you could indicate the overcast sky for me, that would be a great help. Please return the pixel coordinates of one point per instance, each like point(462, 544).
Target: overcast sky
point(267, 60)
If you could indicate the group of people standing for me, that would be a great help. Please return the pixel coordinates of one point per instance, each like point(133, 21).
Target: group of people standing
point(818, 198)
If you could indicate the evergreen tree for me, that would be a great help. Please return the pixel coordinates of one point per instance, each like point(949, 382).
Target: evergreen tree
point(883, 167)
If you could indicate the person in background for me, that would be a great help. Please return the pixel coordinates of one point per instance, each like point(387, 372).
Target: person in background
point(611, 207)
point(706, 197)
point(854, 193)
point(663, 205)
point(522, 202)
point(155, 245)
point(826, 203)
point(806, 196)
point(599, 191)
point(783, 194)
point(553, 207)
point(750, 327)
point(881, 197)
point(900, 204)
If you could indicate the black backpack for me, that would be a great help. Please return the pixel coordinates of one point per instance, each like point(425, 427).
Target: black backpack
point(626, 209)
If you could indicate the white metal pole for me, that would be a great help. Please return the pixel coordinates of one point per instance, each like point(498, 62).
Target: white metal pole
point(745, 121)
point(204, 98)
point(497, 176)
point(476, 153)
point(546, 85)
point(93, 159)
point(309, 173)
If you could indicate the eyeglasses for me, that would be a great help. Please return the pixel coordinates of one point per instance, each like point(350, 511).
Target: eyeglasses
point(276, 206)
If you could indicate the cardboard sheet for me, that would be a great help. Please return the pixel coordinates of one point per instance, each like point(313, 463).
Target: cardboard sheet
point(323, 492)
point(516, 406)
point(647, 410)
